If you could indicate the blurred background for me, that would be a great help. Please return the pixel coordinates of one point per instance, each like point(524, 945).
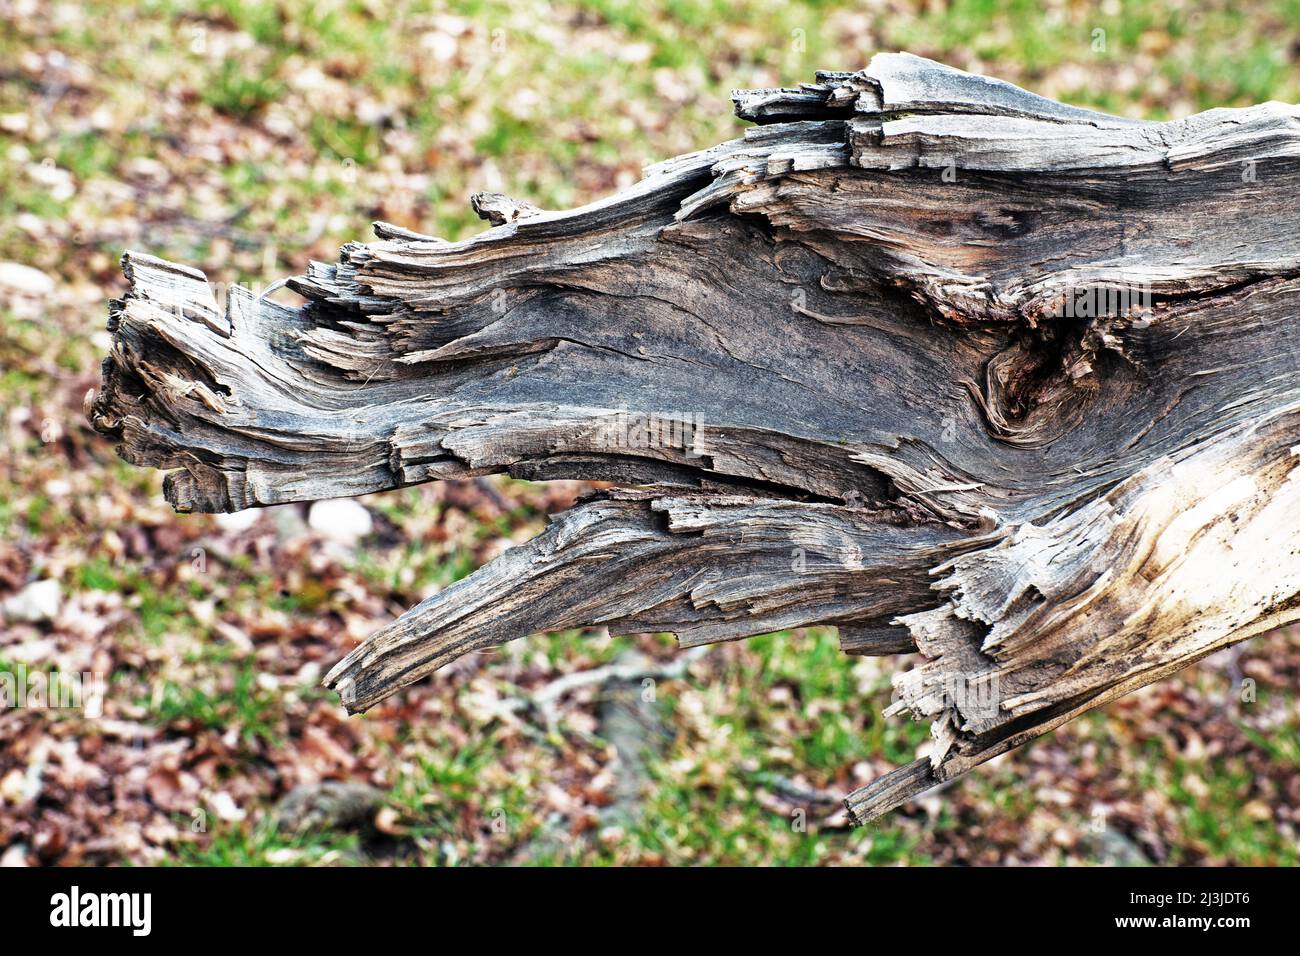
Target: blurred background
point(246, 138)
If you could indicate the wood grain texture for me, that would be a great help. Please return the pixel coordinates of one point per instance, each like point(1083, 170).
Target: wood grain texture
point(956, 368)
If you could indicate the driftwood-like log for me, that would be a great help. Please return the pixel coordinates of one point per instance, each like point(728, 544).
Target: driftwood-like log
point(945, 364)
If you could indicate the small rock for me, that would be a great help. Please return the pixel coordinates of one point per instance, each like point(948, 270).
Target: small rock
point(38, 601)
point(341, 520)
point(329, 805)
point(25, 279)
point(237, 521)
point(288, 521)
point(1112, 848)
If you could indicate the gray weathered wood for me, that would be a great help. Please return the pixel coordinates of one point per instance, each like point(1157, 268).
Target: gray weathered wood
point(953, 367)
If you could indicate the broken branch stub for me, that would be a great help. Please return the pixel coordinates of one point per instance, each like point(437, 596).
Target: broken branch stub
point(955, 368)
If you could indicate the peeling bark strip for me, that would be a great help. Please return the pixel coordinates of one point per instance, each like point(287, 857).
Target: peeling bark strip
point(953, 367)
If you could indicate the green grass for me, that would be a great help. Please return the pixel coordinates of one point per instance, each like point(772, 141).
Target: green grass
point(259, 844)
point(233, 90)
point(243, 706)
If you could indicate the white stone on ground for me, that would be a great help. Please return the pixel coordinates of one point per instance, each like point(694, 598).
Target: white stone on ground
point(238, 520)
point(38, 601)
point(341, 520)
point(20, 278)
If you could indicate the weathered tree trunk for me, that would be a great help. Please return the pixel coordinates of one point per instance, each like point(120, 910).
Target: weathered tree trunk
point(953, 367)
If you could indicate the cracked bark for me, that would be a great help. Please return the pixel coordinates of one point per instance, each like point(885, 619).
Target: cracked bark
point(950, 366)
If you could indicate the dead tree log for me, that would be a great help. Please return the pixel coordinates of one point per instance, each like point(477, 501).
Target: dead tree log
point(945, 364)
